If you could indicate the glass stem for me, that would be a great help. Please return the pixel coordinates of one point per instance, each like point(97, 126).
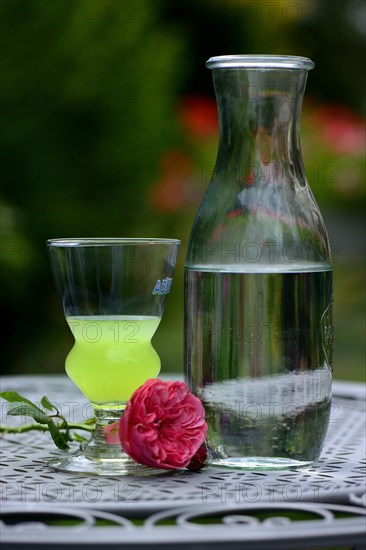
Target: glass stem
point(102, 445)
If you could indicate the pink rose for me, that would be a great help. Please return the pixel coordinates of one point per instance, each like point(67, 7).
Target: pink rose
point(163, 425)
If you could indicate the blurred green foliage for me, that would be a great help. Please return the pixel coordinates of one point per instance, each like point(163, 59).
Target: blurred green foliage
point(109, 129)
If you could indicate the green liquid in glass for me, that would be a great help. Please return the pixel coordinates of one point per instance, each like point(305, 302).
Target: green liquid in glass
point(112, 355)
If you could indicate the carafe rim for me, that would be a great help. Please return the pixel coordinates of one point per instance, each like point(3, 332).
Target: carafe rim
point(260, 62)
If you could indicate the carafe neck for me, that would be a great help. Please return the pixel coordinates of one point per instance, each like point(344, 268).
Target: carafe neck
point(259, 113)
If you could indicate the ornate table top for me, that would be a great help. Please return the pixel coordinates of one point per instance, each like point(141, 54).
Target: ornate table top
point(213, 507)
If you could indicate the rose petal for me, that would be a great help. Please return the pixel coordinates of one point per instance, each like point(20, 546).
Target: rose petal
point(198, 460)
point(111, 433)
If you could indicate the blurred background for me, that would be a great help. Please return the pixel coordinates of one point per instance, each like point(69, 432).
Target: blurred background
point(109, 128)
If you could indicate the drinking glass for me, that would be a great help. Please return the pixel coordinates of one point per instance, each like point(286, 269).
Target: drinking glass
point(113, 293)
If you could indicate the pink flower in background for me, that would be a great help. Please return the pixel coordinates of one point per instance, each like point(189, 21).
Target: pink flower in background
point(343, 130)
point(168, 194)
point(163, 425)
point(177, 187)
point(198, 114)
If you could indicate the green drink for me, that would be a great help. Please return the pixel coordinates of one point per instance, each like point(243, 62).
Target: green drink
point(112, 355)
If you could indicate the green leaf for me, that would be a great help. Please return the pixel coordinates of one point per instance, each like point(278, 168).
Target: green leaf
point(15, 397)
point(25, 409)
point(46, 403)
point(58, 437)
point(79, 438)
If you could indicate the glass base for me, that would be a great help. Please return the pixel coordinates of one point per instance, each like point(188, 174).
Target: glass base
point(101, 455)
point(259, 463)
point(123, 466)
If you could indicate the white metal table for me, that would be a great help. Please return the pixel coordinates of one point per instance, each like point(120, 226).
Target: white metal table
point(213, 508)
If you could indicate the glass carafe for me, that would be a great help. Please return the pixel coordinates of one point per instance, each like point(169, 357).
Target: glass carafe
point(258, 277)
